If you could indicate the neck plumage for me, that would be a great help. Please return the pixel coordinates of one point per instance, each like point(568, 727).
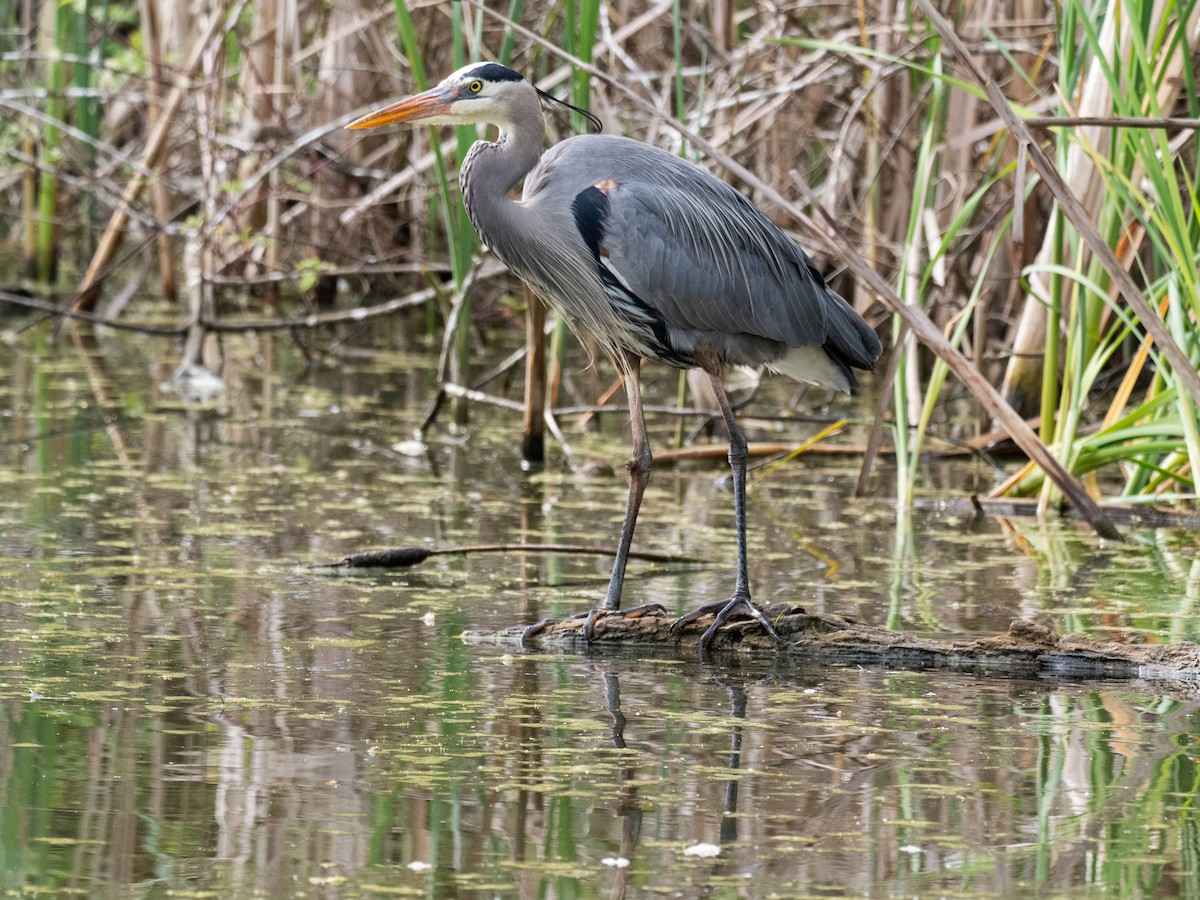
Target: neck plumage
point(491, 170)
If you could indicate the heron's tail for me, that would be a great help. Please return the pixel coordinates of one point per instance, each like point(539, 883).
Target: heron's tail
point(850, 342)
point(814, 365)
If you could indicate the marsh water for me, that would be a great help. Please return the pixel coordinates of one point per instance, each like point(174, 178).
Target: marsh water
point(189, 711)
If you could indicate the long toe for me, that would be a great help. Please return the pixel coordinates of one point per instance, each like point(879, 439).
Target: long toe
point(589, 623)
point(590, 618)
point(538, 627)
point(644, 610)
point(735, 607)
point(707, 609)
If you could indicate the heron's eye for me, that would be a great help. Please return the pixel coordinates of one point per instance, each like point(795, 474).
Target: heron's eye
point(475, 87)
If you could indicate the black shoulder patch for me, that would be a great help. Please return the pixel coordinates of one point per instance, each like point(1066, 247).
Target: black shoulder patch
point(644, 329)
point(591, 211)
point(494, 72)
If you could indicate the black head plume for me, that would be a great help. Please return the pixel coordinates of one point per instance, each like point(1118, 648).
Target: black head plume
point(490, 71)
point(593, 120)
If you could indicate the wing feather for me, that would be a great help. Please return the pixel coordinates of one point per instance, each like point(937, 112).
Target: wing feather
point(708, 260)
point(699, 253)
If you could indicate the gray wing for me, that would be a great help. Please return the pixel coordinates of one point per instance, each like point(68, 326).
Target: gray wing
point(695, 250)
point(707, 259)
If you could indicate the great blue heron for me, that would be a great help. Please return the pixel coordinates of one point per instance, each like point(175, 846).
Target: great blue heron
point(655, 259)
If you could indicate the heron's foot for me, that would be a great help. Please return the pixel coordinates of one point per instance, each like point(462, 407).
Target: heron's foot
point(739, 606)
point(590, 618)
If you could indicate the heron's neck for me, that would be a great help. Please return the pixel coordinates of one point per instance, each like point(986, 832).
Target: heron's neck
point(490, 171)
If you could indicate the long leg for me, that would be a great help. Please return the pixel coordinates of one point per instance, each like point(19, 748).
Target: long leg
point(740, 602)
point(639, 476)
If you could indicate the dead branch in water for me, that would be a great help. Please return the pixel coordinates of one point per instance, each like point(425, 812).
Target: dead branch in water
point(1026, 650)
point(407, 557)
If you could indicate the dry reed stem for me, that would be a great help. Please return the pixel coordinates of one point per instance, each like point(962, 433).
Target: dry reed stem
point(917, 320)
point(1075, 211)
point(783, 111)
point(809, 123)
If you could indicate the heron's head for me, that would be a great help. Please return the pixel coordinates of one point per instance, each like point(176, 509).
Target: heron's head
point(478, 93)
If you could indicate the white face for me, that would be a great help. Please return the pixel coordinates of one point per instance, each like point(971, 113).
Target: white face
point(481, 93)
point(476, 100)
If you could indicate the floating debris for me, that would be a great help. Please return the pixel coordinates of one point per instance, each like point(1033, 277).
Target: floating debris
point(195, 384)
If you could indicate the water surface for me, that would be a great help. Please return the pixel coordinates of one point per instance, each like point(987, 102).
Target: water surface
point(187, 711)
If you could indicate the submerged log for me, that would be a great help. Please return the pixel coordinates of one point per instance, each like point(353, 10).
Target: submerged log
point(1026, 650)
